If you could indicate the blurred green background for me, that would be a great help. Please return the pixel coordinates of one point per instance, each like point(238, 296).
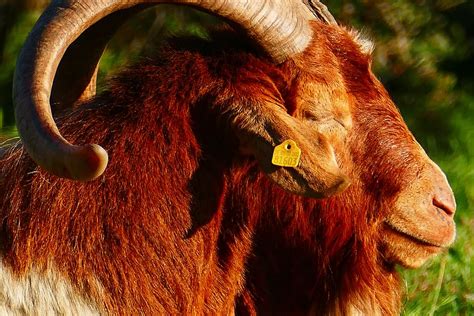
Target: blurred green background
point(425, 57)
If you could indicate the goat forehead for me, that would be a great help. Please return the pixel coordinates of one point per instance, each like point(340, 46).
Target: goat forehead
point(335, 70)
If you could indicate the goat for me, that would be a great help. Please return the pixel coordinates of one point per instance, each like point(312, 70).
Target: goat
point(169, 226)
point(338, 255)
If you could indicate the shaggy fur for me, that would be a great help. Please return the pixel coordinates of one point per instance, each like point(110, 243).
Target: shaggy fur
point(325, 257)
point(151, 236)
point(182, 222)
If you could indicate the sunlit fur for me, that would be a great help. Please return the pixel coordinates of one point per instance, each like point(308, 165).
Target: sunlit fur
point(183, 223)
point(336, 256)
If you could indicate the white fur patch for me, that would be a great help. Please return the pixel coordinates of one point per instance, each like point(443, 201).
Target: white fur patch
point(40, 294)
point(365, 44)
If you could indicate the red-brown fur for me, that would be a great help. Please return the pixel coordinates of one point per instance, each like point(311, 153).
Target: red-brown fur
point(171, 224)
point(325, 256)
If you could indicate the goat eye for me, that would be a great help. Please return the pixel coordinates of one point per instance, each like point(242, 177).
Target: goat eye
point(330, 127)
point(315, 118)
point(326, 124)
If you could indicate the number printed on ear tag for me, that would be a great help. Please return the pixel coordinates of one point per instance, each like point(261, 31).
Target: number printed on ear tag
point(287, 154)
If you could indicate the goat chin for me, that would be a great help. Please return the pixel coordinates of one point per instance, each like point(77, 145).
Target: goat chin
point(421, 223)
point(408, 251)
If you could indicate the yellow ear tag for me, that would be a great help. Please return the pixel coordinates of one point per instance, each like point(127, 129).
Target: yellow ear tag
point(287, 154)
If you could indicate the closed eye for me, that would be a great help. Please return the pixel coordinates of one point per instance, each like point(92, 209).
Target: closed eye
point(318, 119)
point(332, 123)
point(329, 120)
point(332, 128)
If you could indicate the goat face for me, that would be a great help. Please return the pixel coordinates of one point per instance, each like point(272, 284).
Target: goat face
point(410, 199)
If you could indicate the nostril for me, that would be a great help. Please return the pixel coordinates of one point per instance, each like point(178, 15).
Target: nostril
point(445, 201)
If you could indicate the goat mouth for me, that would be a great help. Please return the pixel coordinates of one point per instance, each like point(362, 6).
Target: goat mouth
point(435, 247)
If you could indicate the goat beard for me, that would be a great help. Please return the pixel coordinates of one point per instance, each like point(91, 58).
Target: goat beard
point(317, 256)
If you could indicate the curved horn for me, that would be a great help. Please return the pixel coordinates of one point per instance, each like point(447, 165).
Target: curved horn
point(279, 26)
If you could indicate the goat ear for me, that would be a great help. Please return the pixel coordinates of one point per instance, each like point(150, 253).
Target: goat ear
point(261, 126)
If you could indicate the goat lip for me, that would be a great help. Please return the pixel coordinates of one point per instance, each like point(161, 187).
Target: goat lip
point(421, 241)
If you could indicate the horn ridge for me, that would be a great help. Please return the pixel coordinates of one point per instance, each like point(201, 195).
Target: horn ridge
point(320, 11)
